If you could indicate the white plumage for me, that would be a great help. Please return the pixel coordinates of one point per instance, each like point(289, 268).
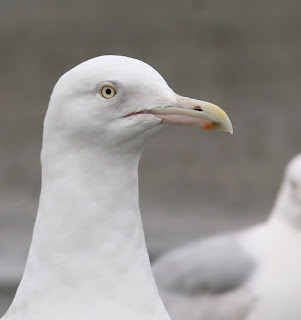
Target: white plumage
point(88, 258)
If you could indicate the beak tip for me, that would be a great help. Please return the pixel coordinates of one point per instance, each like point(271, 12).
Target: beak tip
point(228, 126)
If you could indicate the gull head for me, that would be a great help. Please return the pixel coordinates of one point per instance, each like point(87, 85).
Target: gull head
point(120, 101)
point(293, 180)
point(288, 203)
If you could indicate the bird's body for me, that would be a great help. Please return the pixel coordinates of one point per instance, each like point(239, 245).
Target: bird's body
point(88, 258)
point(276, 282)
point(254, 274)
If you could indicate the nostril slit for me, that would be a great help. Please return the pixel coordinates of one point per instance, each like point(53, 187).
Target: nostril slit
point(197, 108)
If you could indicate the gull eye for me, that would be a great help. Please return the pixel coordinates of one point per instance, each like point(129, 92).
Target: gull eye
point(108, 92)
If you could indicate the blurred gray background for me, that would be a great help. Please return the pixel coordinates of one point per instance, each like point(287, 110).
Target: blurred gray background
point(241, 55)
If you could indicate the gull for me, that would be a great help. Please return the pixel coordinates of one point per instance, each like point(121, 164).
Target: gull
point(253, 274)
point(88, 258)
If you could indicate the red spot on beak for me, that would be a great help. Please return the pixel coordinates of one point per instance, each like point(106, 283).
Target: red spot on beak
point(208, 126)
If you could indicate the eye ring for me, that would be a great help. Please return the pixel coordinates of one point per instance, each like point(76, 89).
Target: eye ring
point(108, 92)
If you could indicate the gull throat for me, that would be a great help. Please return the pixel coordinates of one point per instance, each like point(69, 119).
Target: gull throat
point(88, 246)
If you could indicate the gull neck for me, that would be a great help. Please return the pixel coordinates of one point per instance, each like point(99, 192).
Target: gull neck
point(88, 257)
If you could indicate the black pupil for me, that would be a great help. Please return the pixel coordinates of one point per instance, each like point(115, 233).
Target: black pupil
point(108, 91)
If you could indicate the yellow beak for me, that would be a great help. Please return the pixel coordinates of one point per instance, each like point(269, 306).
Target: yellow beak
point(194, 112)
